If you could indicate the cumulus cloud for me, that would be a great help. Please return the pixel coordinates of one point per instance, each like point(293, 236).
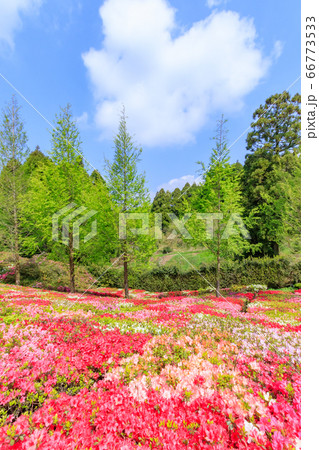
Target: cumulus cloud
point(179, 183)
point(212, 3)
point(170, 81)
point(10, 17)
point(82, 120)
point(277, 50)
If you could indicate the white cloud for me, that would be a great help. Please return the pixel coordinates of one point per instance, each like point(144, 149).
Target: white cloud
point(277, 50)
point(82, 120)
point(169, 85)
point(10, 17)
point(211, 3)
point(178, 183)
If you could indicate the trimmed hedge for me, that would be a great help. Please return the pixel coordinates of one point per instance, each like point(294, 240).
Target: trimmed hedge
point(275, 272)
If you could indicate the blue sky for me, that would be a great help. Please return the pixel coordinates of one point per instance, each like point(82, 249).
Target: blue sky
point(176, 66)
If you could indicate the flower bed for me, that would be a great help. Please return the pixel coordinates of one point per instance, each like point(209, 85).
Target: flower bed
point(185, 371)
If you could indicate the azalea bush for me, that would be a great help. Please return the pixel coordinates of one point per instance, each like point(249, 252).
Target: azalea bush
point(256, 287)
point(173, 370)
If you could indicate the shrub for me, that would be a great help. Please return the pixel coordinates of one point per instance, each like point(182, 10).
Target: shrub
point(274, 272)
point(63, 289)
point(236, 288)
point(256, 287)
point(29, 273)
point(207, 290)
point(245, 305)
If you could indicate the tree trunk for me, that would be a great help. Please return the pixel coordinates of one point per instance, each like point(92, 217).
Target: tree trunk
point(16, 246)
point(218, 267)
point(219, 211)
point(71, 263)
point(275, 249)
point(218, 247)
point(126, 291)
point(16, 256)
point(15, 207)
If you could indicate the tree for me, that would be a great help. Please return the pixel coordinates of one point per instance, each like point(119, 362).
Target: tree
point(218, 224)
point(96, 177)
point(58, 188)
point(189, 190)
point(66, 154)
point(13, 152)
point(129, 192)
point(162, 205)
point(96, 197)
point(239, 167)
point(291, 188)
point(33, 161)
point(270, 170)
point(175, 202)
point(48, 195)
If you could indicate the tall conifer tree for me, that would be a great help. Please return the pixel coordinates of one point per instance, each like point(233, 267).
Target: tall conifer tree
point(129, 192)
point(219, 200)
point(13, 153)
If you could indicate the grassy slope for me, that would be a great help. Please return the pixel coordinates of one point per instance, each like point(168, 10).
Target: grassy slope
point(184, 259)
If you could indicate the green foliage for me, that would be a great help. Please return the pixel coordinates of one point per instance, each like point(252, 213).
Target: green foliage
point(13, 138)
point(218, 224)
point(176, 202)
point(104, 245)
point(162, 205)
point(13, 152)
point(126, 185)
point(50, 191)
point(264, 195)
point(30, 273)
point(129, 193)
point(73, 387)
point(96, 177)
point(224, 381)
point(34, 160)
point(274, 272)
point(32, 401)
point(62, 183)
point(238, 288)
point(184, 259)
point(245, 305)
point(271, 179)
point(169, 355)
point(9, 315)
point(256, 288)
point(65, 139)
